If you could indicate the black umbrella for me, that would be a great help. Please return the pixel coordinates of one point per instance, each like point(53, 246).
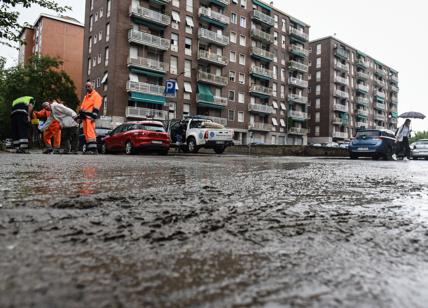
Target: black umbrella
point(412, 115)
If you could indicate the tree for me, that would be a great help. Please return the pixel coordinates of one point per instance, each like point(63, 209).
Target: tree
point(419, 135)
point(41, 78)
point(9, 26)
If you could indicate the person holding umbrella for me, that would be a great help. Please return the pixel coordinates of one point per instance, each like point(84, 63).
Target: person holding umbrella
point(402, 139)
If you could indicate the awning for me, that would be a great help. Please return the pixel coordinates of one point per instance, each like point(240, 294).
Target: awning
point(205, 93)
point(105, 77)
point(175, 16)
point(274, 122)
point(283, 106)
point(187, 87)
point(146, 98)
point(263, 5)
point(189, 22)
point(275, 105)
point(146, 72)
point(282, 122)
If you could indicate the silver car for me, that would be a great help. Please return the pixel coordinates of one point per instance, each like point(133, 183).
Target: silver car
point(420, 149)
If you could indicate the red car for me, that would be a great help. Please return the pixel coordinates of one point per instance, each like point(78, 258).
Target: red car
point(132, 137)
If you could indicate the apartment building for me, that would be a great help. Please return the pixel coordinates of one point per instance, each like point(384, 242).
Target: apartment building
point(243, 63)
point(348, 89)
point(58, 37)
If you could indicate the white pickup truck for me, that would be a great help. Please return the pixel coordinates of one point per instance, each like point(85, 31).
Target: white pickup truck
point(194, 133)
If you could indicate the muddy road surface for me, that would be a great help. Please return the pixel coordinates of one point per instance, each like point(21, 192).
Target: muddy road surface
point(212, 231)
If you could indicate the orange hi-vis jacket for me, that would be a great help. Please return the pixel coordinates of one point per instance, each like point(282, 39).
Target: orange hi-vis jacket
point(91, 105)
point(46, 114)
point(52, 131)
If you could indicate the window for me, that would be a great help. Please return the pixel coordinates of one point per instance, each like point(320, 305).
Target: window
point(232, 96)
point(187, 68)
point(175, 19)
point(282, 91)
point(234, 18)
point(274, 122)
point(101, 12)
point(188, 46)
point(275, 72)
point(317, 130)
point(107, 32)
point(243, 22)
point(98, 82)
point(231, 115)
point(186, 109)
point(283, 106)
point(282, 122)
point(99, 58)
point(232, 56)
point(91, 23)
point(242, 40)
point(92, 4)
point(95, 39)
point(241, 98)
point(283, 26)
point(317, 117)
point(318, 89)
point(89, 66)
point(275, 38)
point(318, 103)
point(100, 35)
point(318, 49)
point(244, 3)
point(232, 37)
point(274, 89)
point(105, 77)
point(232, 76)
point(275, 18)
point(96, 17)
point(173, 65)
point(275, 105)
point(242, 59)
point(90, 45)
point(106, 56)
point(241, 78)
point(187, 87)
point(318, 62)
point(283, 74)
point(174, 42)
point(105, 105)
point(108, 8)
point(189, 6)
point(176, 3)
point(189, 24)
point(283, 41)
point(318, 76)
point(240, 116)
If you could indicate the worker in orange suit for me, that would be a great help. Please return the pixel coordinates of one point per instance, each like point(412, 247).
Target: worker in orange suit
point(51, 131)
point(89, 110)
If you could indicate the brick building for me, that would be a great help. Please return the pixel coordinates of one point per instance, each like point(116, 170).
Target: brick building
point(57, 37)
point(348, 89)
point(241, 62)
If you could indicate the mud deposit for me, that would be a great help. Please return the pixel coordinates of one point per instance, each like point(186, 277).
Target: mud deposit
point(219, 231)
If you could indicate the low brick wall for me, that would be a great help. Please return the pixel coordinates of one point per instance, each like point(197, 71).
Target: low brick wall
point(287, 150)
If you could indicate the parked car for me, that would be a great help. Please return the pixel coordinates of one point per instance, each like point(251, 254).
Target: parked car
point(133, 137)
point(420, 149)
point(375, 143)
point(344, 145)
point(101, 133)
point(331, 145)
point(8, 143)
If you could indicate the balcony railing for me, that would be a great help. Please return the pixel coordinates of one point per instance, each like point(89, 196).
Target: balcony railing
point(361, 124)
point(218, 100)
point(297, 82)
point(297, 131)
point(362, 63)
point(222, 121)
point(340, 107)
point(149, 64)
point(146, 113)
point(146, 88)
point(213, 15)
point(342, 53)
point(362, 113)
point(342, 67)
point(394, 78)
point(395, 89)
point(380, 94)
point(212, 57)
point(299, 50)
point(261, 35)
point(394, 100)
point(340, 135)
point(261, 17)
point(380, 72)
point(363, 88)
point(339, 121)
point(299, 33)
point(262, 53)
point(260, 126)
point(299, 115)
point(297, 98)
point(362, 75)
point(380, 83)
point(380, 106)
point(222, 3)
point(362, 101)
point(149, 15)
point(261, 71)
point(259, 108)
point(212, 78)
point(261, 90)
point(342, 80)
point(294, 65)
point(379, 117)
point(213, 37)
point(147, 39)
point(342, 94)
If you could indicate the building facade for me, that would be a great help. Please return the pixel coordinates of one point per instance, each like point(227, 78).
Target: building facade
point(348, 89)
point(242, 63)
point(57, 37)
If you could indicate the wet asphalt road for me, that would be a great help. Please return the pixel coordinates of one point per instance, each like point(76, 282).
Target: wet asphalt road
point(215, 231)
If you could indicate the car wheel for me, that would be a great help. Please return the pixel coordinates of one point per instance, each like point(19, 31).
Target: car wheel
point(104, 149)
point(376, 157)
point(164, 152)
point(128, 148)
point(219, 150)
point(353, 156)
point(388, 154)
point(192, 146)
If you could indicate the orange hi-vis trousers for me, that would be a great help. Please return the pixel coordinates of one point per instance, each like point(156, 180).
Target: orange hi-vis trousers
point(90, 134)
point(53, 131)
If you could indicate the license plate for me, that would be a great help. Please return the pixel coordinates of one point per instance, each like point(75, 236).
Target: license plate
point(219, 142)
point(156, 142)
point(363, 149)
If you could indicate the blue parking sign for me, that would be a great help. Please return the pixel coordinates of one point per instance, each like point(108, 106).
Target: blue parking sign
point(170, 87)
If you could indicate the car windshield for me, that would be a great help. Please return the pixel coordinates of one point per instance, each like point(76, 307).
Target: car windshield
point(150, 127)
point(368, 133)
point(102, 131)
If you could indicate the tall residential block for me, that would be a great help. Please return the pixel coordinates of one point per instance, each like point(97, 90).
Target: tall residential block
point(348, 89)
point(242, 63)
point(58, 37)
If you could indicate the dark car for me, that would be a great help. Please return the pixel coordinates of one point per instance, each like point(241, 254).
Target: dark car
point(375, 143)
point(133, 137)
point(101, 133)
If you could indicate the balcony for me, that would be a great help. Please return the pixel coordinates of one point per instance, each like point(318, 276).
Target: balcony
point(342, 67)
point(394, 78)
point(380, 95)
point(340, 135)
point(339, 121)
point(145, 92)
point(261, 35)
point(259, 90)
point(340, 107)
point(297, 99)
point(341, 80)
point(341, 94)
point(362, 64)
point(362, 101)
point(146, 39)
point(395, 89)
point(213, 79)
point(379, 117)
point(161, 2)
point(362, 88)
point(362, 113)
point(213, 17)
point(342, 53)
point(262, 127)
point(380, 106)
point(261, 72)
point(361, 124)
point(213, 37)
point(149, 16)
point(297, 131)
point(222, 3)
point(212, 58)
point(297, 82)
point(394, 100)
point(380, 72)
point(380, 83)
point(212, 101)
point(299, 34)
point(146, 113)
point(262, 54)
point(379, 127)
point(297, 66)
point(263, 18)
point(259, 108)
point(298, 50)
point(298, 115)
point(148, 64)
point(362, 75)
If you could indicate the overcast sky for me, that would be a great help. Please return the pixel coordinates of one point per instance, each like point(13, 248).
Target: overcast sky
point(391, 31)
